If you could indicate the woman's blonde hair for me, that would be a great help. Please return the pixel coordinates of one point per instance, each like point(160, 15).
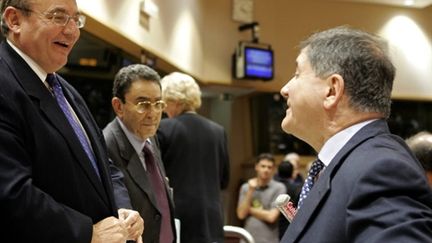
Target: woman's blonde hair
point(181, 88)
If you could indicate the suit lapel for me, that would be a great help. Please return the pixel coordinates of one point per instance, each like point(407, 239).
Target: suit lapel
point(134, 166)
point(321, 188)
point(43, 99)
point(100, 155)
point(55, 116)
point(139, 175)
point(304, 215)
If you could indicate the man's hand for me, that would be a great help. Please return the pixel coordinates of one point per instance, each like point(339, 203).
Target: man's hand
point(133, 223)
point(253, 183)
point(109, 230)
point(244, 206)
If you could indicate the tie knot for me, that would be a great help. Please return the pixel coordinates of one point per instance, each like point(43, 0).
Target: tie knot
point(51, 79)
point(316, 167)
point(147, 148)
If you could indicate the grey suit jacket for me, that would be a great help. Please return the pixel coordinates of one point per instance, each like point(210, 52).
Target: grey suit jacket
point(374, 190)
point(138, 184)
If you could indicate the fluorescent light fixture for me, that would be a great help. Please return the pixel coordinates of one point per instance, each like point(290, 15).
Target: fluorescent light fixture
point(409, 2)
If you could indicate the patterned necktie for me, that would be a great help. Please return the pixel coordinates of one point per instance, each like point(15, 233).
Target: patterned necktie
point(166, 234)
point(316, 167)
point(61, 100)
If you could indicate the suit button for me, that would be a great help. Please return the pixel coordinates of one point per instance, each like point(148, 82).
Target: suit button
point(157, 217)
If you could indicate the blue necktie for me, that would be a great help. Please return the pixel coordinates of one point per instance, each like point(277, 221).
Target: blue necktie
point(316, 167)
point(61, 100)
point(157, 182)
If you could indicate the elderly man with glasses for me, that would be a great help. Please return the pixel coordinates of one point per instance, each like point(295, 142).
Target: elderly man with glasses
point(56, 181)
point(138, 105)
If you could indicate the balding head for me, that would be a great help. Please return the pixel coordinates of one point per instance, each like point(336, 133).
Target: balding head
point(293, 158)
point(421, 146)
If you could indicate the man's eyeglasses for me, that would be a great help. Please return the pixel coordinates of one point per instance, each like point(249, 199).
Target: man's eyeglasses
point(146, 106)
point(60, 18)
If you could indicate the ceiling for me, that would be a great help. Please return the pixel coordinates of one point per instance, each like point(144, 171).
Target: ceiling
point(400, 3)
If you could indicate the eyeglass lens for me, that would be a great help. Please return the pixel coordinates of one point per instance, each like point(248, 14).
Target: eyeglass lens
point(61, 18)
point(147, 105)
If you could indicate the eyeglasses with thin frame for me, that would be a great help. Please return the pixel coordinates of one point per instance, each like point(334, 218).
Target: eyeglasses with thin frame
point(146, 106)
point(59, 18)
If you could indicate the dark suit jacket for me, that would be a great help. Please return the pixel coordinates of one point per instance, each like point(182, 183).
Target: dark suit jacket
point(141, 193)
point(374, 190)
point(194, 152)
point(49, 192)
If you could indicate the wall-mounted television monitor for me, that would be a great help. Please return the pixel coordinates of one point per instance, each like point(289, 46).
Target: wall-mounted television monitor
point(254, 61)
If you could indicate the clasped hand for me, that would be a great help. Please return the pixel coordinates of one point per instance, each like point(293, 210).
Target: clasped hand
point(129, 226)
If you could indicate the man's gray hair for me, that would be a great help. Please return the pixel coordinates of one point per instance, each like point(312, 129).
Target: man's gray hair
point(362, 61)
point(20, 4)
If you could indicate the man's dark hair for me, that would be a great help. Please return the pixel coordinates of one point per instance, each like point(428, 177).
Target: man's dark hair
point(266, 156)
point(129, 74)
point(285, 169)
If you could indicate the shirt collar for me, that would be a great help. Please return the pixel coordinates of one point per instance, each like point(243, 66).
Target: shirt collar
point(33, 65)
point(333, 145)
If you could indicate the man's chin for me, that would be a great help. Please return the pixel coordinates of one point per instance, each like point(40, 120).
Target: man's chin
point(285, 125)
point(147, 134)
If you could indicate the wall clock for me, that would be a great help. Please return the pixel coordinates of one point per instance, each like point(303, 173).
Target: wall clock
point(243, 11)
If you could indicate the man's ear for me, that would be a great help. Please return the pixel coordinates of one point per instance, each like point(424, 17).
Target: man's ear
point(12, 19)
point(117, 106)
point(335, 91)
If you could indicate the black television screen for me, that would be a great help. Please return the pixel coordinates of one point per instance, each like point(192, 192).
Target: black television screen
point(258, 63)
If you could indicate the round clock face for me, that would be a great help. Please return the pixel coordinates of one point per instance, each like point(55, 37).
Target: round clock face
point(243, 10)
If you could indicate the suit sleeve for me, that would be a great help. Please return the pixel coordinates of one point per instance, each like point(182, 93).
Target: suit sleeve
point(382, 209)
point(121, 195)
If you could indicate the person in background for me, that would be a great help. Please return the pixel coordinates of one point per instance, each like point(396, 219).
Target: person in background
point(256, 201)
point(421, 145)
point(138, 105)
point(365, 186)
point(194, 152)
point(57, 184)
point(285, 175)
point(294, 159)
